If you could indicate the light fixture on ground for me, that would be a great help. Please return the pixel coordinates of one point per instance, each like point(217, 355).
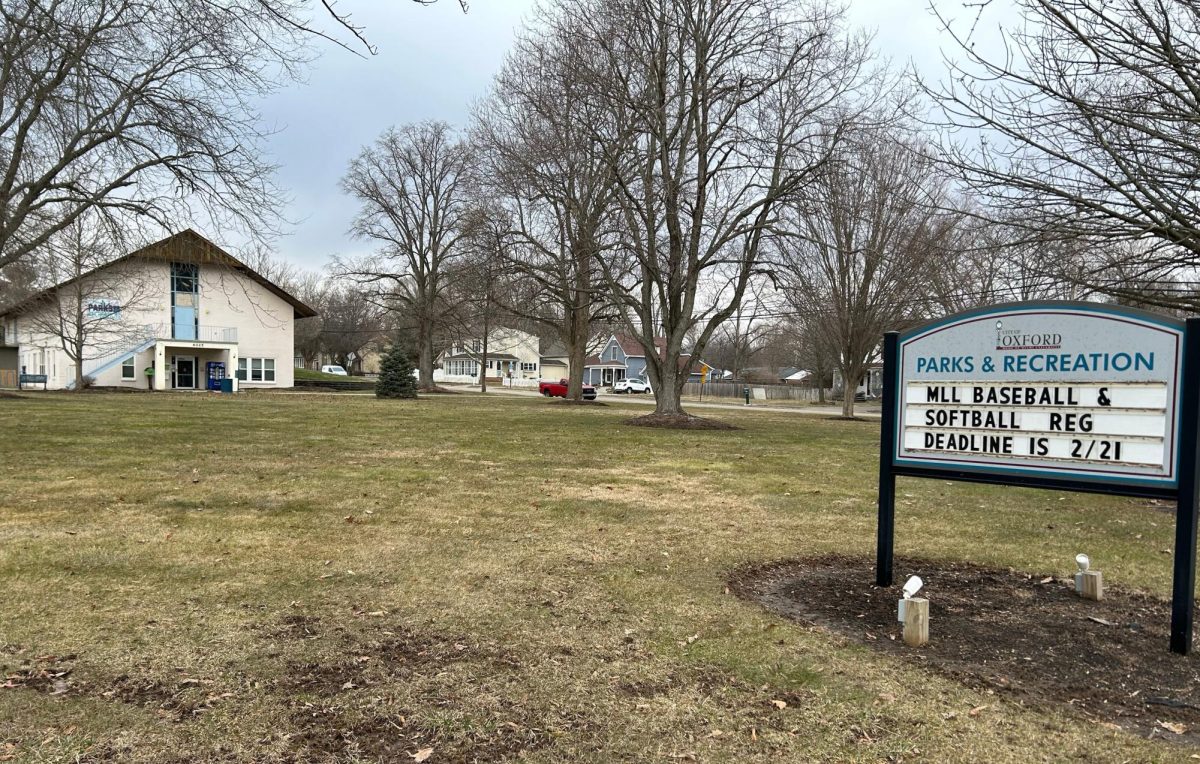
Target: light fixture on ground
point(1089, 584)
point(913, 612)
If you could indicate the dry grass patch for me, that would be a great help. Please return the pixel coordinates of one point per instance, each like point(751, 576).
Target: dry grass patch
point(354, 580)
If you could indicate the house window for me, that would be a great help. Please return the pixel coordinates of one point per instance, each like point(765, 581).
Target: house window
point(528, 367)
point(476, 346)
point(127, 369)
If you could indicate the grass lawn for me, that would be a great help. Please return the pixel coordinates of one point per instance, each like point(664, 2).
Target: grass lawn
point(312, 578)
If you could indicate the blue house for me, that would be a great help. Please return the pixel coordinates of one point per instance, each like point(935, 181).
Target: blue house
point(623, 357)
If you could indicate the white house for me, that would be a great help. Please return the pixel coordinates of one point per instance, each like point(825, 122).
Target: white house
point(179, 314)
point(511, 354)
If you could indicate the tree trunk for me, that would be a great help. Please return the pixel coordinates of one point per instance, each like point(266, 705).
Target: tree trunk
point(850, 390)
point(79, 373)
point(425, 354)
point(483, 363)
point(579, 321)
point(668, 394)
point(577, 341)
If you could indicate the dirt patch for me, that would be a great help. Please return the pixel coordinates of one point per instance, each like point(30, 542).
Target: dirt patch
point(45, 673)
point(12, 397)
point(53, 675)
point(297, 627)
point(841, 418)
point(1029, 638)
point(176, 703)
point(398, 654)
point(679, 422)
point(326, 733)
point(573, 402)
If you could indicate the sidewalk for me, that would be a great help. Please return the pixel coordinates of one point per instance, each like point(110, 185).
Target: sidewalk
point(868, 410)
point(863, 410)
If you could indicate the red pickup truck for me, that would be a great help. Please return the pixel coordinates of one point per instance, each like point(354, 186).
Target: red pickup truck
point(559, 390)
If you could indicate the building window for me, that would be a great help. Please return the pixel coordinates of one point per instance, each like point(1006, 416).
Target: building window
point(185, 278)
point(127, 369)
point(476, 346)
point(528, 367)
point(256, 369)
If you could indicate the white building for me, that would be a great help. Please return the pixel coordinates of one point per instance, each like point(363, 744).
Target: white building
point(179, 314)
point(511, 354)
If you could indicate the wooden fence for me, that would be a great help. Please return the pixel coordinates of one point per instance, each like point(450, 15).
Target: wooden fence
point(772, 392)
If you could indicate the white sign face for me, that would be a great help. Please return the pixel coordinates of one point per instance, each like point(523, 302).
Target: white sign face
point(1068, 390)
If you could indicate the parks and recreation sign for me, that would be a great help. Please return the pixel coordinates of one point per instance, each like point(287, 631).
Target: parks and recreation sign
point(1077, 391)
point(1065, 395)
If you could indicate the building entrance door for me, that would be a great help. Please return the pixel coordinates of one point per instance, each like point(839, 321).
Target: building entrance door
point(185, 373)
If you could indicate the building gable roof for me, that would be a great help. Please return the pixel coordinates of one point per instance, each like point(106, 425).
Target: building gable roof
point(186, 246)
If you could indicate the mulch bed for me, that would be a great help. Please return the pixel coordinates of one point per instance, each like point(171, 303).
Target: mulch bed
point(679, 422)
point(1029, 638)
point(573, 402)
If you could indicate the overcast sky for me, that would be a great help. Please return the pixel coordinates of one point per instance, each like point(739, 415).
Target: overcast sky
point(432, 63)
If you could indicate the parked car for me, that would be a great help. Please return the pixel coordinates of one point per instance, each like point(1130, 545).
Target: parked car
point(338, 370)
point(559, 390)
point(633, 385)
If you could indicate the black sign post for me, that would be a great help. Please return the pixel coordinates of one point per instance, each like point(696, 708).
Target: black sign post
point(1186, 494)
point(884, 541)
point(1183, 581)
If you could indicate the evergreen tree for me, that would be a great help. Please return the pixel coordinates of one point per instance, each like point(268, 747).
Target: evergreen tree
point(396, 378)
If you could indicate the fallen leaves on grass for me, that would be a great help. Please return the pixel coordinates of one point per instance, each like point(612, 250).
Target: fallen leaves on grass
point(422, 754)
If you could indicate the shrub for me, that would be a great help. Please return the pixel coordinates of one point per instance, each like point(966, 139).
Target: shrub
point(396, 378)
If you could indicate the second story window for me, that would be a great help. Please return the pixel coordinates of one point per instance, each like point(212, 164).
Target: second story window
point(185, 278)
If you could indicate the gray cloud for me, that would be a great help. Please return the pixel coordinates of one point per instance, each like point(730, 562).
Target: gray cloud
point(433, 62)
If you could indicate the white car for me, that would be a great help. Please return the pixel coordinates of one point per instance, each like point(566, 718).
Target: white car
point(632, 386)
point(338, 370)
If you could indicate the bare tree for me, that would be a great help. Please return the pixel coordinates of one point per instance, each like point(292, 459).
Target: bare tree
point(412, 198)
point(868, 232)
point(18, 281)
point(984, 262)
point(721, 110)
point(735, 344)
point(138, 110)
point(89, 309)
point(480, 287)
point(1087, 128)
point(538, 158)
point(349, 324)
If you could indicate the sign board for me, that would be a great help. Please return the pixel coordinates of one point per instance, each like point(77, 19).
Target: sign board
point(1065, 395)
point(1078, 391)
